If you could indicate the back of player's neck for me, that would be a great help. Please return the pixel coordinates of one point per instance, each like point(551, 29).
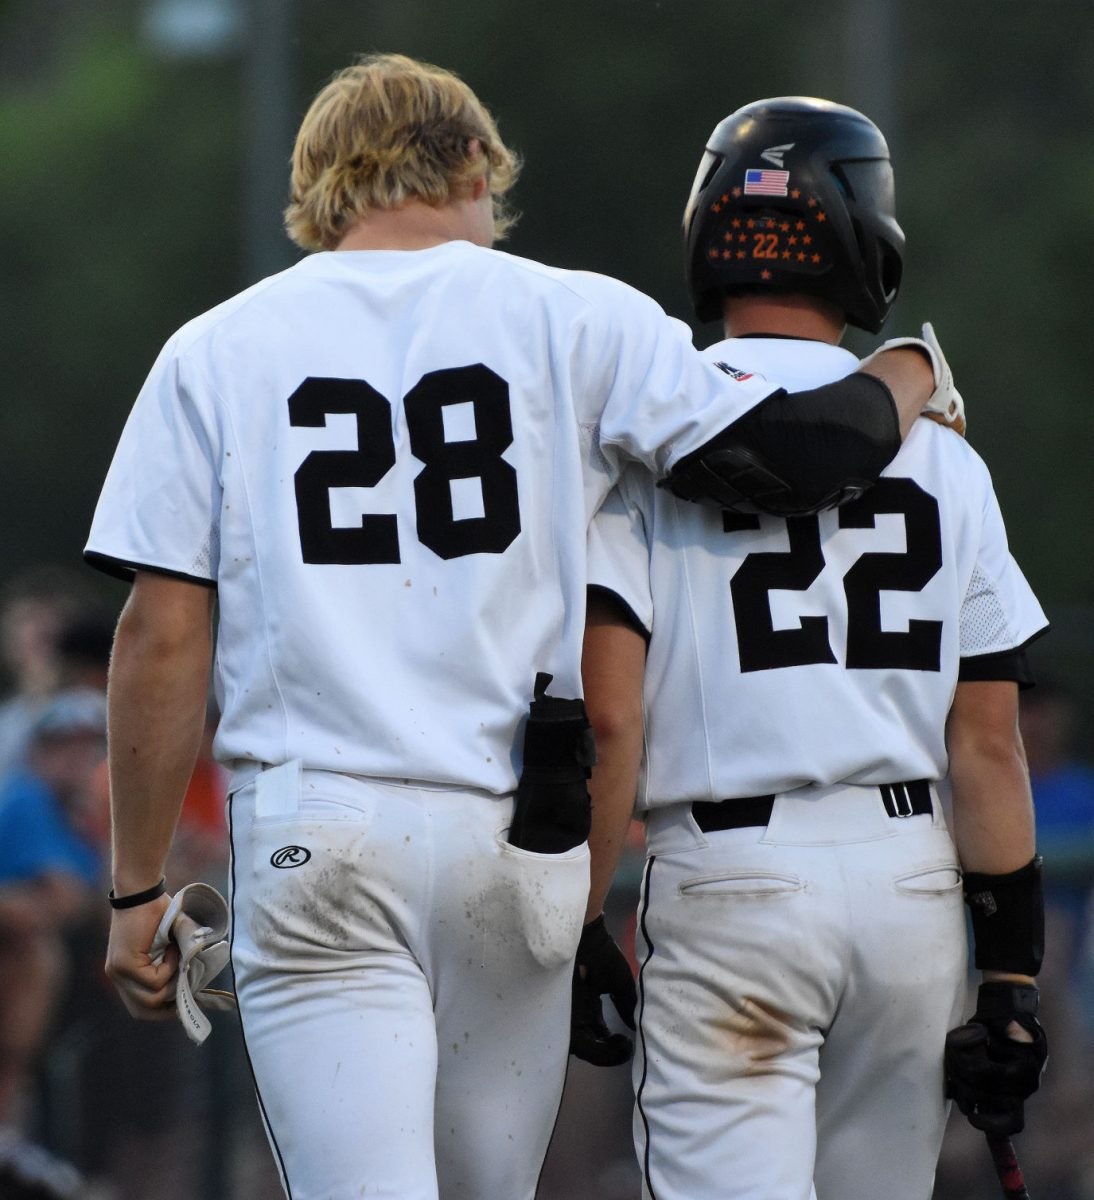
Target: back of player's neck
point(412, 226)
point(783, 317)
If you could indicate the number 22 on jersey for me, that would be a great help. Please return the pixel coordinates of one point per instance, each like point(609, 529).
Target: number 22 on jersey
point(762, 647)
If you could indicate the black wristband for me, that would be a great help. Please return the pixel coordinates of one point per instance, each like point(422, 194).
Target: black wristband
point(1008, 918)
point(137, 898)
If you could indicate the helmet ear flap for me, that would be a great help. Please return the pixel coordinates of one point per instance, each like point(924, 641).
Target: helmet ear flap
point(892, 270)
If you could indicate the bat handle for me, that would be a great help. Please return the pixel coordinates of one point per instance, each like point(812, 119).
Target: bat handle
point(1007, 1168)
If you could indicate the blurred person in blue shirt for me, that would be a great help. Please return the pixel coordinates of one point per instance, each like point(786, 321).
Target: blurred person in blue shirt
point(1063, 793)
point(35, 607)
point(1063, 790)
point(50, 870)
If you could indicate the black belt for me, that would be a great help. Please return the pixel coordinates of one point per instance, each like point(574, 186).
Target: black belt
point(909, 799)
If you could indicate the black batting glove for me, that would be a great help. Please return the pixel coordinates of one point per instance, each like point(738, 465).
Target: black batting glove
point(601, 969)
point(988, 1074)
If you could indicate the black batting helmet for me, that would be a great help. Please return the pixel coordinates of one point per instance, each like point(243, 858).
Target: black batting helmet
point(796, 194)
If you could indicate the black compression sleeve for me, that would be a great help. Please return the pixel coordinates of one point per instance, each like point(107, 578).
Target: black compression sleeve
point(797, 452)
point(823, 439)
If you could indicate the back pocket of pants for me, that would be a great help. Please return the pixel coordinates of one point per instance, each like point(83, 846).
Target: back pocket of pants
point(741, 883)
point(551, 894)
point(943, 879)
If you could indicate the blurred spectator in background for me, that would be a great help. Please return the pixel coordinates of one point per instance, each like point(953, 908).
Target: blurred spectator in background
point(34, 608)
point(1063, 793)
point(83, 650)
point(51, 872)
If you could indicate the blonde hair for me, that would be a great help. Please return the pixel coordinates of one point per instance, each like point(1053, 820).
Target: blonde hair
point(386, 130)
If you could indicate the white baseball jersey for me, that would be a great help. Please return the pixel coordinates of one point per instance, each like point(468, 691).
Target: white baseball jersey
point(819, 649)
point(386, 463)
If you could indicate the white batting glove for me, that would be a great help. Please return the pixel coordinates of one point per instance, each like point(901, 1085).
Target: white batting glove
point(197, 921)
point(945, 405)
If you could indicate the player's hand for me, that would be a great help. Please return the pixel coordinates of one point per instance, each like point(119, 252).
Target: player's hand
point(601, 969)
point(945, 405)
point(147, 988)
point(994, 1063)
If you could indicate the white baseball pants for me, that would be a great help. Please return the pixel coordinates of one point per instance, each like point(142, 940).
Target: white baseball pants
point(796, 986)
point(404, 985)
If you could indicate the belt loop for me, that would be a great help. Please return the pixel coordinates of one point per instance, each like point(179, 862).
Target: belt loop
point(908, 799)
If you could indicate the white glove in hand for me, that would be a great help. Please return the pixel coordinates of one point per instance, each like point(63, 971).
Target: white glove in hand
point(945, 405)
point(197, 921)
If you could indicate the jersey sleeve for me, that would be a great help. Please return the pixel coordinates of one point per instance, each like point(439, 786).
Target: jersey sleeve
point(656, 397)
point(1000, 612)
point(619, 561)
point(160, 505)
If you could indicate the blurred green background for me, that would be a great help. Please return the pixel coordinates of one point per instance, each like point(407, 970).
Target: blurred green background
point(143, 165)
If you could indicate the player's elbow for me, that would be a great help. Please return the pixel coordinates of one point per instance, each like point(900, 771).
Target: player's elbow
point(614, 719)
point(796, 453)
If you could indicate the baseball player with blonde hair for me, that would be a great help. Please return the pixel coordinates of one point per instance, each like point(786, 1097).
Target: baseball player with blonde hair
point(801, 686)
point(381, 464)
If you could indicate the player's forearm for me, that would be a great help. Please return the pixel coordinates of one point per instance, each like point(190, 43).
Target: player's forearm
point(908, 376)
point(992, 806)
point(159, 676)
point(612, 787)
point(613, 665)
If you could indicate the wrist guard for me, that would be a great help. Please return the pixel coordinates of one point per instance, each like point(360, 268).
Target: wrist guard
point(552, 812)
point(1008, 918)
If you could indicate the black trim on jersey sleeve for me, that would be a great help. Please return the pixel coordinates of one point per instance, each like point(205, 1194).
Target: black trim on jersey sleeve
point(120, 568)
point(620, 608)
point(1009, 665)
point(796, 453)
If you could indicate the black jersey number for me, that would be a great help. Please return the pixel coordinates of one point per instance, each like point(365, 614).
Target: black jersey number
point(763, 648)
point(376, 539)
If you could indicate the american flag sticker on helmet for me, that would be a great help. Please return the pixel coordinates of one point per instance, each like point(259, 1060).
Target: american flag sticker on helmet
point(759, 181)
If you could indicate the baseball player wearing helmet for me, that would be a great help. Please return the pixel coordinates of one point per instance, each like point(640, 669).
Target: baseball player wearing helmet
point(381, 465)
point(802, 688)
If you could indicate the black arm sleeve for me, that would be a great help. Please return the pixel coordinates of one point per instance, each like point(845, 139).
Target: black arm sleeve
point(796, 453)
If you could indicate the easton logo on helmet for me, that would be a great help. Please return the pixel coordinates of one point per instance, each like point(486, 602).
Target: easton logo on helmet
point(774, 154)
point(289, 856)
